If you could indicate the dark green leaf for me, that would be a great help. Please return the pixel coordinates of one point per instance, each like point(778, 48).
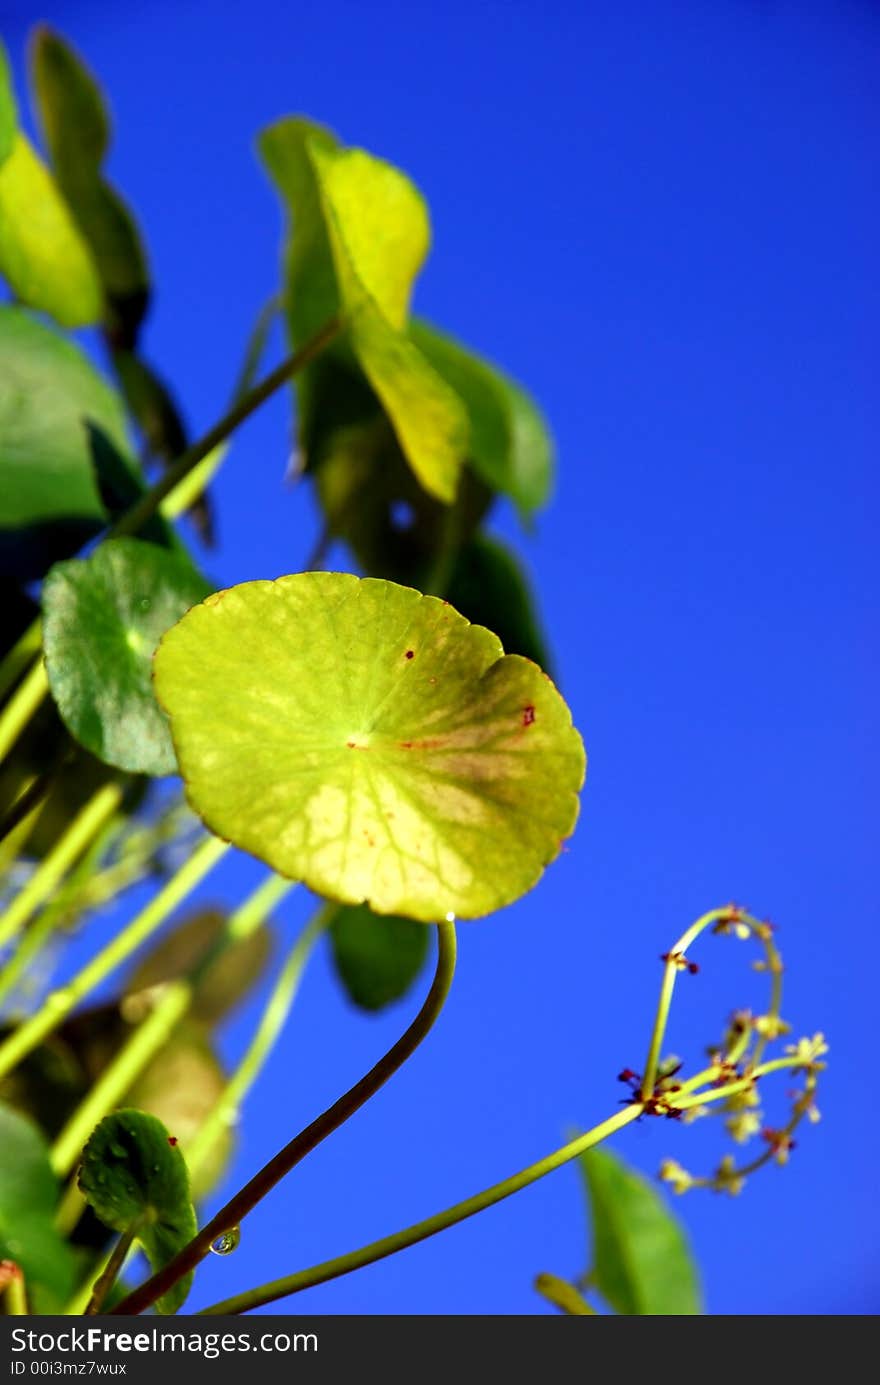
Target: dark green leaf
point(28, 1203)
point(119, 487)
point(77, 131)
point(227, 977)
point(510, 446)
point(642, 1263)
point(134, 1175)
point(49, 503)
point(377, 957)
point(151, 406)
point(488, 586)
point(102, 619)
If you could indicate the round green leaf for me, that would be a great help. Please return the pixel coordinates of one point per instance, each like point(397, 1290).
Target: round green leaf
point(377, 957)
point(367, 740)
point(102, 619)
point(642, 1263)
point(49, 392)
point(133, 1175)
point(28, 1202)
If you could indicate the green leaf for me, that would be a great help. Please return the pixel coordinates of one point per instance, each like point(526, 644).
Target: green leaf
point(368, 741)
point(371, 498)
point(77, 131)
point(642, 1263)
point(510, 446)
point(119, 486)
point(488, 586)
point(42, 254)
point(49, 392)
point(377, 957)
point(227, 978)
point(102, 619)
point(151, 406)
point(360, 236)
point(28, 1203)
point(134, 1174)
point(8, 107)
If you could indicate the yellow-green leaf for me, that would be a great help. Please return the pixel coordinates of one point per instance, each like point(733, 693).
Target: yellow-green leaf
point(369, 741)
point(43, 257)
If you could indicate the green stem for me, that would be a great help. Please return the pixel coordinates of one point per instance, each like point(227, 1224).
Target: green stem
point(89, 821)
point(17, 659)
point(667, 986)
point(59, 1004)
point(563, 1296)
point(402, 1240)
point(22, 705)
point(144, 508)
point(154, 1032)
point(110, 1273)
point(293, 1153)
point(16, 1294)
point(271, 1023)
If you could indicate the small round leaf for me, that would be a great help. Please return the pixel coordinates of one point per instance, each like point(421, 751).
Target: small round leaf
point(369, 741)
point(102, 619)
point(134, 1175)
point(377, 957)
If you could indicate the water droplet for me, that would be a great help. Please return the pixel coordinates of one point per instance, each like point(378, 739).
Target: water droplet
point(450, 917)
point(226, 1243)
point(145, 603)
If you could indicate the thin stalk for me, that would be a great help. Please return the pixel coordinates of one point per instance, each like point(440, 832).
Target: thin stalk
point(16, 1294)
point(563, 1296)
point(76, 1306)
point(17, 659)
point(89, 821)
point(402, 1240)
point(145, 507)
point(154, 1032)
point(22, 705)
point(272, 1022)
point(59, 1003)
point(336, 1115)
point(110, 1273)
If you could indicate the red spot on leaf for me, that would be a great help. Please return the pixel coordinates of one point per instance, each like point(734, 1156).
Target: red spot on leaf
point(172, 1140)
point(410, 653)
point(528, 715)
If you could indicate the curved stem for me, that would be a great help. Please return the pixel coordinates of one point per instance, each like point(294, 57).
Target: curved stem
point(89, 821)
point(271, 1023)
point(402, 1240)
point(143, 509)
point(110, 1273)
point(59, 1004)
point(336, 1115)
point(22, 705)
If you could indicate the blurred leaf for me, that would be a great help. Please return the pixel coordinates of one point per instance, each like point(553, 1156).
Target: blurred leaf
point(563, 1296)
point(378, 957)
point(371, 498)
point(392, 754)
point(28, 1202)
point(151, 406)
point(641, 1261)
point(119, 487)
point(360, 234)
point(42, 255)
point(182, 1086)
point(488, 586)
point(8, 107)
point(379, 235)
point(77, 131)
point(49, 504)
point(102, 619)
point(226, 980)
point(133, 1173)
point(510, 446)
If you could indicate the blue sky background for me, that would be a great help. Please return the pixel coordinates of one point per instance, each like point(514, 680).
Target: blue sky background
point(664, 220)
